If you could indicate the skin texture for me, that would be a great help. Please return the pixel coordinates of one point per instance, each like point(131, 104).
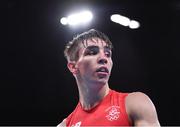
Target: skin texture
point(93, 85)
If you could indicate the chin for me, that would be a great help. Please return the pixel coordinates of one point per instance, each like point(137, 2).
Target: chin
point(102, 81)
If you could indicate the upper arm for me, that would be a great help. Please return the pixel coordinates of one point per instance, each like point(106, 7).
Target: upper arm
point(62, 124)
point(141, 110)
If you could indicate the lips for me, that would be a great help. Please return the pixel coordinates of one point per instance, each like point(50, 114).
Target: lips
point(102, 70)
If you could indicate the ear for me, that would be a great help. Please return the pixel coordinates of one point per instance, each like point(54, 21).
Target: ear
point(72, 67)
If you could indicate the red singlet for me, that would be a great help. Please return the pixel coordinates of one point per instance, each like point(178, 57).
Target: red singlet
point(110, 111)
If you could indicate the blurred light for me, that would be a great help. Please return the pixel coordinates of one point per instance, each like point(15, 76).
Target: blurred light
point(78, 18)
point(64, 21)
point(134, 24)
point(125, 21)
point(120, 19)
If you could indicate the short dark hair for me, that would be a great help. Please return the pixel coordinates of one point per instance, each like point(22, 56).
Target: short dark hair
point(72, 47)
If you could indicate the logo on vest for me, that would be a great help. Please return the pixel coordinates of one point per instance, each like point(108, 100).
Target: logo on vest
point(78, 124)
point(113, 113)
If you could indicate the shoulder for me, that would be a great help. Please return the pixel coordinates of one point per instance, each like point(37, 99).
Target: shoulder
point(138, 97)
point(138, 100)
point(141, 109)
point(62, 124)
point(65, 122)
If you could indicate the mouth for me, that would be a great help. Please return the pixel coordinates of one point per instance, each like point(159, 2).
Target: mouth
point(102, 70)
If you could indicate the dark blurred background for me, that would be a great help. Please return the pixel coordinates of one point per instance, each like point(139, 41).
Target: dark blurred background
point(37, 87)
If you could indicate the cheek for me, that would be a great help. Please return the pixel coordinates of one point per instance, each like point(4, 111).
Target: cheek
point(85, 65)
point(111, 64)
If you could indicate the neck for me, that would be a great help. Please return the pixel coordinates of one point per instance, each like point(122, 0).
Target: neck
point(91, 96)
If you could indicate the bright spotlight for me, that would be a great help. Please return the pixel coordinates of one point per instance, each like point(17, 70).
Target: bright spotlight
point(120, 19)
point(64, 21)
point(134, 24)
point(77, 18)
point(125, 21)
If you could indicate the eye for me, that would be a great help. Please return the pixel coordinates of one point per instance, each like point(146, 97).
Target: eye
point(92, 51)
point(108, 53)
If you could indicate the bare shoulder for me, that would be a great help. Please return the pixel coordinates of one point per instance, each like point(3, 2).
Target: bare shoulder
point(141, 109)
point(62, 124)
point(137, 101)
point(138, 96)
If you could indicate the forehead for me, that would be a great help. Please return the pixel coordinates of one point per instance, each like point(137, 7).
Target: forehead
point(93, 42)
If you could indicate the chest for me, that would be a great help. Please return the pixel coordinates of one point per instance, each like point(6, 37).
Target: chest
point(106, 115)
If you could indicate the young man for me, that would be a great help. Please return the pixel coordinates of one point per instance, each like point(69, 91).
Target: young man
point(89, 60)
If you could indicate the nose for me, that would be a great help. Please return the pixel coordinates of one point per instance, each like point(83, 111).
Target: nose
point(102, 59)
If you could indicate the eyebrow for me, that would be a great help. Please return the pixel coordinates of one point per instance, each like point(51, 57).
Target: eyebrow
point(93, 46)
point(107, 47)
